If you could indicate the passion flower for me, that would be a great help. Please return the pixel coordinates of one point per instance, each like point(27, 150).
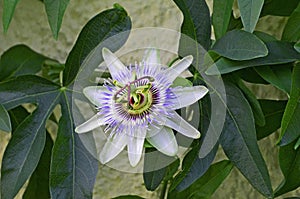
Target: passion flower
point(139, 103)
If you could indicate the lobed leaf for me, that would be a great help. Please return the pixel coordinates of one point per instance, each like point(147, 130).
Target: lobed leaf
point(196, 23)
point(55, 11)
point(104, 25)
point(221, 16)
point(25, 89)
point(240, 45)
point(73, 167)
point(73, 174)
point(290, 122)
point(26, 145)
point(250, 11)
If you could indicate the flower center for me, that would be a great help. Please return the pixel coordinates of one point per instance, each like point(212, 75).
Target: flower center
point(134, 97)
point(140, 99)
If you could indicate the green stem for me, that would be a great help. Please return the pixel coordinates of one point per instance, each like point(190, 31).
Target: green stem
point(164, 190)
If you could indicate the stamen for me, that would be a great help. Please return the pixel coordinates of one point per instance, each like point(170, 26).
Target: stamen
point(118, 84)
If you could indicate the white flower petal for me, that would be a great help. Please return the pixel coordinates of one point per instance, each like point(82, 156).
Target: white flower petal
point(90, 124)
point(113, 147)
point(94, 94)
point(163, 140)
point(179, 124)
point(115, 66)
point(188, 95)
point(172, 72)
point(135, 147)
point(151, 56)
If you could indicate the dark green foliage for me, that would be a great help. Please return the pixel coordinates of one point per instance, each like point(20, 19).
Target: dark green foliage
point(238, 140)
point(65, 168)
point(94, 32)
point(205, 186)
point(68, 170)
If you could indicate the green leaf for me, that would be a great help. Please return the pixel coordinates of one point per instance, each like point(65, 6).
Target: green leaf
point(289, 161)
point(297, 47)
point(205, 186)
point(253, 102)
point(291, 31)
point(69, 180)
point(38, 186)
point(51, 70)
point(279, 7)
point(154, 168)
point(290, 122)
point(181, 81)
point(55, 11)
point(128, 197)
point(172, 169)
point(264, 36)
point(238, 140)
point(280, 76)
point(26, 145)
point(5, 124)
point(198, 163)
point(73, 167)
point(186, 165)
point(103, 26)
point(240, 45)
point(198, 168)
point(25, 89)
point(73, 174)
point(273, 111)
point(279, 53)
point(221, 16)
point(234, 23)
point(250, 11)
point(17, 116)
point(250, 75)
point(19, 162)
point(8, 12)
point(20, 60)
point(196, 24)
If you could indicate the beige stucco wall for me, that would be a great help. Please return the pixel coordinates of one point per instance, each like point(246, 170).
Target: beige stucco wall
point(29, 26)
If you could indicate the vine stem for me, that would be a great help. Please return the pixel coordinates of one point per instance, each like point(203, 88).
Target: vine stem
point(164, 190)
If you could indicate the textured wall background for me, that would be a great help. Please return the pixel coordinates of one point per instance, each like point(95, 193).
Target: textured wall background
point(29, 26)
